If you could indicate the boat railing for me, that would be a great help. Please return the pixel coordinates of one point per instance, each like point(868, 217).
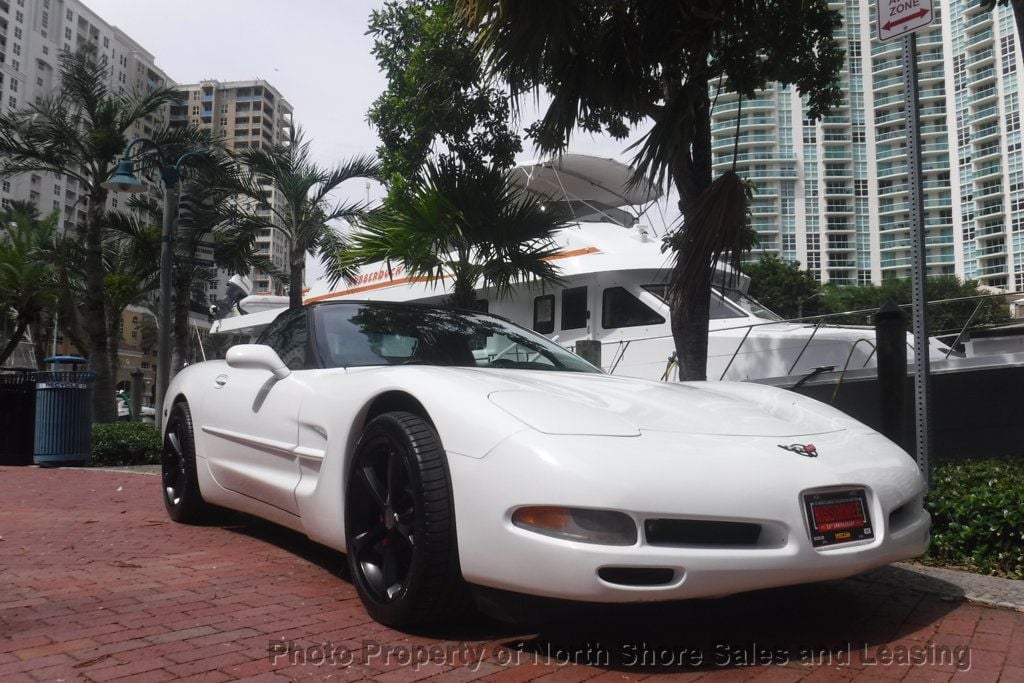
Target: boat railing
point(821, 321)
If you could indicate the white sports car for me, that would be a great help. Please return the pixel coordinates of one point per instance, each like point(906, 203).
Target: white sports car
point(446, 449)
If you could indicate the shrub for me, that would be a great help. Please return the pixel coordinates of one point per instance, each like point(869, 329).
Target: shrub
point(125, 443)
point(978, 515)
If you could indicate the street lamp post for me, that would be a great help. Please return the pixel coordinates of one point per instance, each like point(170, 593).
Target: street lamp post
point(124, 180)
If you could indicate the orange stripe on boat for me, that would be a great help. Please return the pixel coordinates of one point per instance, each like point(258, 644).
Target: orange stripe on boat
point(410, 280)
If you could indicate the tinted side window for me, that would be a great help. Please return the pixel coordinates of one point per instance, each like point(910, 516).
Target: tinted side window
point(544, 314)
point(289, 336)
point(619, 308)
point(574, 308)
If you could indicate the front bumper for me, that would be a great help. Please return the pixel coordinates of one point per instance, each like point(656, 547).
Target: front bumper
point(672, 476)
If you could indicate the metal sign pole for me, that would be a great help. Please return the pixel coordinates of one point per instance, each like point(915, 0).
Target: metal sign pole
point(918, 270)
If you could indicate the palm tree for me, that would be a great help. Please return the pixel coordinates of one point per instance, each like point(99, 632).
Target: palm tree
point(210, 220)
point(305, 212)
point(79, 133)
point(611, 64)
point(28, 286)
point(131, 258)
point(470, 226)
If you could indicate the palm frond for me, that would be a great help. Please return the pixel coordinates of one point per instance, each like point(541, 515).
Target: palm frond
point(717, 229)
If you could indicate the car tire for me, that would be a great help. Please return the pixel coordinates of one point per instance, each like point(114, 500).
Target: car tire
point(400, 524)
point(182, 498)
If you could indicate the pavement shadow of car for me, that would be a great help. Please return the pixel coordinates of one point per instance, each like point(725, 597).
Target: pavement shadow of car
point(823, 623)
point(831, 623)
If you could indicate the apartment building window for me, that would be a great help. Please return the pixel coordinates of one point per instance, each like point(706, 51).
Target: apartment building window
point(224, 109)
point(223, 121)
point(67, 35)
point(113, 202)
point(7, 186)
point(1009, 59)
point(14, 85)
point(17, 32)
point(16, 65)
point(19, 17)
point(44, 21)
point(70, 16)
point(12, 102)
point(106, 42)
point(195, 111)
point(16, 49)
point(39, 81)
point(46, 49)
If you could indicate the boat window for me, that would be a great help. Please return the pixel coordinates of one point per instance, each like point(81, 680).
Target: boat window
point(289, 336)
point(574, 308)
point(544, 314)
point(720, 308)
point(621, 309)
point(755, 307)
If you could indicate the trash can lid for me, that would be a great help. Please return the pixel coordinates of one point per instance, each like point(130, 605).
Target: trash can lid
point(65, 359)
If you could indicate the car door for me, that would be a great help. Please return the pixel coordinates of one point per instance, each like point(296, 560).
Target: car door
point(253, 419)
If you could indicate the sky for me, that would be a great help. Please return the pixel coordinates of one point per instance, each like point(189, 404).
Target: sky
point(315, 52)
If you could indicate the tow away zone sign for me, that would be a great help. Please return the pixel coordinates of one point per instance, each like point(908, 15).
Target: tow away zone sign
point(897, 18)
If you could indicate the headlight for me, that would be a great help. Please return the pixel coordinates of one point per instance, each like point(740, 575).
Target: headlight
point(605, 527)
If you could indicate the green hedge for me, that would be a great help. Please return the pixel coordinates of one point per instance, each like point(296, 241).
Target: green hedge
point(977, 509)
point(125, 443)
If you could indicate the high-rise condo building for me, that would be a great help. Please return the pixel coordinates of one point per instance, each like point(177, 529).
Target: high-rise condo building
point(33, 34)
point(833, 194)
point(245, 114)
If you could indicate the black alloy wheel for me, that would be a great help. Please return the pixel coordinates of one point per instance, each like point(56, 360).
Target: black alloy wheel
point(182, 498)
point(400, 523)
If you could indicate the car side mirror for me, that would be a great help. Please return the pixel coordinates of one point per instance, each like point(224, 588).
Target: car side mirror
point(258, 357)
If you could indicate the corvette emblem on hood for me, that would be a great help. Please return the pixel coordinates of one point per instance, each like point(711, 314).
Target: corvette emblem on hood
point(807, 450)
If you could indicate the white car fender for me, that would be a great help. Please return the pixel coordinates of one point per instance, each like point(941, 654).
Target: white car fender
point(470, 425)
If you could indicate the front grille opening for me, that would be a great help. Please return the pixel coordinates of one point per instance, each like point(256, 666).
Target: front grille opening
point(703, 533)
point(902, 516)
point(637, 576)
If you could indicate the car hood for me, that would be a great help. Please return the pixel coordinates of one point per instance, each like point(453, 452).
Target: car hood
point(581, 403)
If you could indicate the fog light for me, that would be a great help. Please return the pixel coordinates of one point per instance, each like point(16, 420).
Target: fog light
point(605, 527)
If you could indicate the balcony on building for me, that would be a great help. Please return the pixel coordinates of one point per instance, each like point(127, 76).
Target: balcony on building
point(979, 37)
point(990, 228)
point(992, 249)
point(986, 132)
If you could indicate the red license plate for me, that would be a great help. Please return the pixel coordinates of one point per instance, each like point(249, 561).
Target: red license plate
point(838, 517)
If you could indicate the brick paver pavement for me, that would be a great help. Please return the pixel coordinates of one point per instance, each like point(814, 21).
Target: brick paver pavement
point(96, 584)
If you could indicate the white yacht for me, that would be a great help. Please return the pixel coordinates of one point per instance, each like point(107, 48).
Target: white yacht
point(614, 291)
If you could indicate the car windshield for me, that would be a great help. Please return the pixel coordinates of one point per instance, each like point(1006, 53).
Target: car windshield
point(355, 335)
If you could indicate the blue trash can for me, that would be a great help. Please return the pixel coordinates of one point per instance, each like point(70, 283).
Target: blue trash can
point(64, 413)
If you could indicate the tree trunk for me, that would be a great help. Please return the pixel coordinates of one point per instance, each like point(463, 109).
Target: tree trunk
point(179, 331)
point(297, 265)
point(104, 407)
point(39, 327)
point(113, 345)
point(463, 294)
point(12, 343)
point(692, 177)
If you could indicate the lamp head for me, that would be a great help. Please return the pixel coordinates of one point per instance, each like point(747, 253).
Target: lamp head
point(124, 179)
